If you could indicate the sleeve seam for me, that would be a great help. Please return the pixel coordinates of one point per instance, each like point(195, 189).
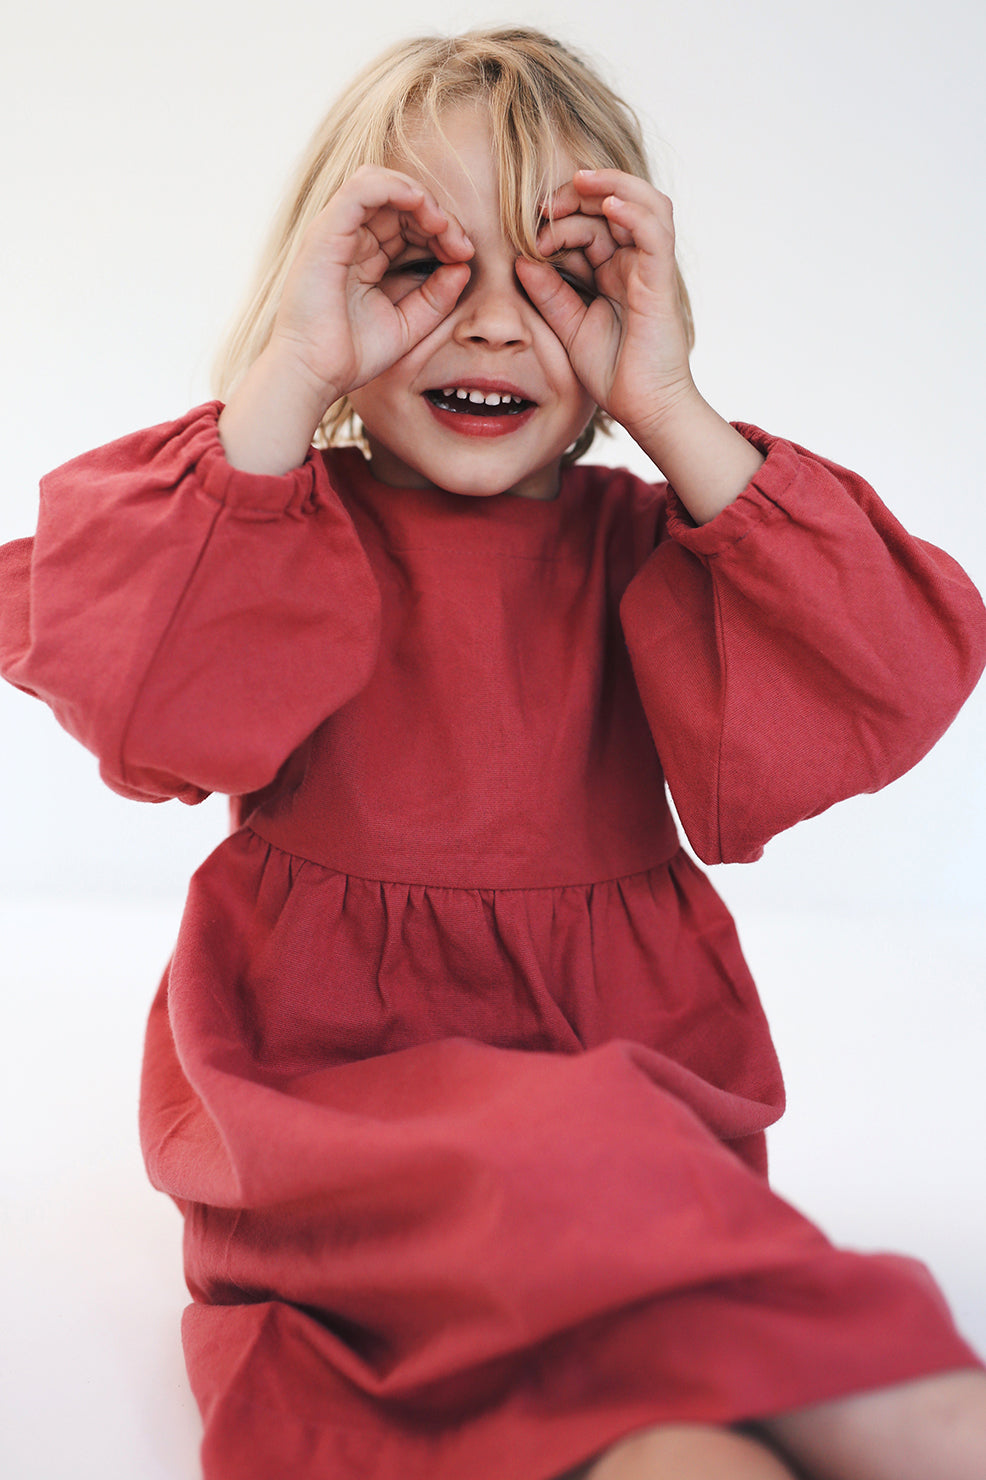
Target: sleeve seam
point(277, 494)
point(721, 739)
point(234, 506)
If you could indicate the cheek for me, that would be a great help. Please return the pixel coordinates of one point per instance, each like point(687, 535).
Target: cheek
point(563, 380)
point(383, 388)
point(370, 401)
point(583, 406)
point(558, 367)
point(587, 410)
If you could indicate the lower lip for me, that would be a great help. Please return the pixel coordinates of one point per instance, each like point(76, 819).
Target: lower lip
point(468, 425)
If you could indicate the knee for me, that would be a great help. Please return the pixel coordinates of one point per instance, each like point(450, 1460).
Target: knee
point(930, 1426)
point(687, 1452)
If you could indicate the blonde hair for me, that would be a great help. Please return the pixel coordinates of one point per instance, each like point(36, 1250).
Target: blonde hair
point(537, 93)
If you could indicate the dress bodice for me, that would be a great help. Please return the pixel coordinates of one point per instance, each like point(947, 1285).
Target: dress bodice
point(500, 742)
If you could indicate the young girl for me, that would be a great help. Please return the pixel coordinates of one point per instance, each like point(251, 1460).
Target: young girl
point(457, 1073)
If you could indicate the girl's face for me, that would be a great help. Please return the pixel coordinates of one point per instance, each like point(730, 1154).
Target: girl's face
point(494, 341)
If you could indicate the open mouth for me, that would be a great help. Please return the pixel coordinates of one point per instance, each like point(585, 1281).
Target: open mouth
point(479, 403)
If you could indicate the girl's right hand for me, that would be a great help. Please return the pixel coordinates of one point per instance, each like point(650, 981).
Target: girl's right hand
point(336, 327)
point(335, 321)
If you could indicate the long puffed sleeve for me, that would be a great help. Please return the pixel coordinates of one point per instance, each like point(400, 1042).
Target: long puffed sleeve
point(189, 623)
point(798, 649)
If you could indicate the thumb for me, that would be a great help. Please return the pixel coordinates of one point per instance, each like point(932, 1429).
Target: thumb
point(425, 307)
point(558, 304)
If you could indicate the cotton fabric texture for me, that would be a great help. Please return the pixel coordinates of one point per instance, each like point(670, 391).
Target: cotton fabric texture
point(458, 1074)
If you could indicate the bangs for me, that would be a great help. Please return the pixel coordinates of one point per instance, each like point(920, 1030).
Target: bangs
point(539, 97)
point(533, 110)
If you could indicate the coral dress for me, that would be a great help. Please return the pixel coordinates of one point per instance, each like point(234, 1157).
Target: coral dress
point(458, 1074)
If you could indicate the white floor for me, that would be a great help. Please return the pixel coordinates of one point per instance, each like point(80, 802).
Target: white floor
point(881, 1025)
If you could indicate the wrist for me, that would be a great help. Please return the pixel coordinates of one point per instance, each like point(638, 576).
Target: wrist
point(707, 462)
point(268, 423)
point(681, 413)
point(283, 362)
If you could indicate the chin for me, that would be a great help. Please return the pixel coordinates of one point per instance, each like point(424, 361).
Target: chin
point(475, 487)
point(474, 482)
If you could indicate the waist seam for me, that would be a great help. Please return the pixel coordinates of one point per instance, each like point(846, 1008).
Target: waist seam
point(632, 873)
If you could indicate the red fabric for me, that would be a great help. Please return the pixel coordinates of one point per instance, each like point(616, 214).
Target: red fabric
point(458, 1073)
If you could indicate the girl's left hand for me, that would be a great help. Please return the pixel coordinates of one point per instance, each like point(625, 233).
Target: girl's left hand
point(625, 332)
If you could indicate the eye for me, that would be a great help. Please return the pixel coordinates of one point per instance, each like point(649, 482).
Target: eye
point(582, 280)
point(421, 267)
point(584, 289)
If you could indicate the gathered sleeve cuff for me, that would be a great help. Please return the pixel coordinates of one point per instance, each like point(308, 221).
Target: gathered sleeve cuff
point(798, 649)
point(190, 623)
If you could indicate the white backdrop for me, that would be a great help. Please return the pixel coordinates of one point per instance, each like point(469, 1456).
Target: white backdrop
point(825, 163)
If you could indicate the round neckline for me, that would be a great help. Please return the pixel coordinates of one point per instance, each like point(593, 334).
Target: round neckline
point(480, 506)
point(409, 519)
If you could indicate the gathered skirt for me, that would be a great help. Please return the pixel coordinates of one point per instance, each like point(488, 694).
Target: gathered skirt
point(462, 1200)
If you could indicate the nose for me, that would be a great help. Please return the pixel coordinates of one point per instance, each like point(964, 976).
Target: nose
point(494, 309)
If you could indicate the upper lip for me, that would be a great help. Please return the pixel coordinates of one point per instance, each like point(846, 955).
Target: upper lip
point(487, 384)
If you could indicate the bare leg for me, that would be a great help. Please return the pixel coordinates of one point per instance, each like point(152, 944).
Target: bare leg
point(685, 1452)
point(935, 1426)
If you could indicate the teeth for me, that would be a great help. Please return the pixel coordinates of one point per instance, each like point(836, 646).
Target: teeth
point(492, 398)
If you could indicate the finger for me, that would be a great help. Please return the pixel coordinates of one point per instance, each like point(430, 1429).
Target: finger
point(591, 235)
point(370, 191)
point(396, 231)
point(599, 237)
point(582, 233)
point(562, 202)
point(588, 189)
point(579, 195)
point(444, 234)
point(452, 244)
point(424, 308)
point(584, 207)
point(640, 223)
point(558, 304)
point(625, 223)
point(385, 200)
point(596, 184)
point(424, 222)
